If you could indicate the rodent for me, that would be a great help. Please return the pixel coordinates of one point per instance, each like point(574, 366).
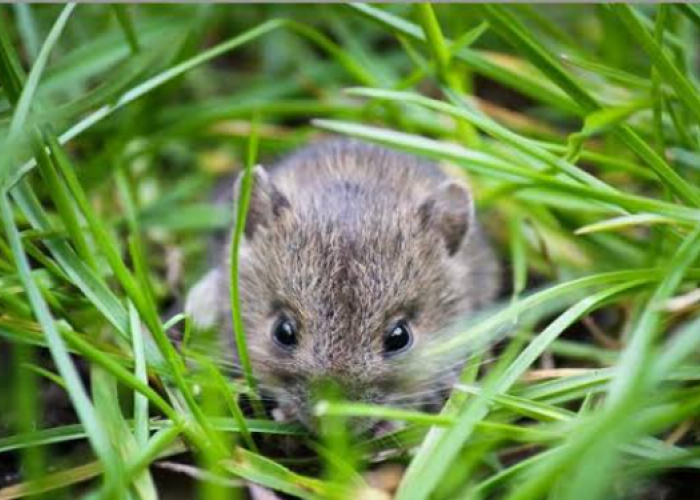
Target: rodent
point(354, 259)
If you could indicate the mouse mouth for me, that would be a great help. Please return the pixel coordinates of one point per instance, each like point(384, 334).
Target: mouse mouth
point(290, 406)
point(287, 411)
point(384, 427)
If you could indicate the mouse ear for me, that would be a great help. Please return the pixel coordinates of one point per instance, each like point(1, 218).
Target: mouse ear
point(266, 201)
point(450, 209)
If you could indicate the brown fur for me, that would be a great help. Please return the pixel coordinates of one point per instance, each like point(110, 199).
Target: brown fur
point(346, 238)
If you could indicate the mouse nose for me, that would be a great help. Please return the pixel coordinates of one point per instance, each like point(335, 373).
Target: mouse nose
point(341, 386)
point(345, 373)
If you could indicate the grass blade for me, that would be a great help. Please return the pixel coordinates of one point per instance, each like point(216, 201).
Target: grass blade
point(518, 37)
point(242, 200)
point(667, 70)
point(474, 60)
point(26, 97)
point(86, 412)
point(435, 457)
point(122, 14)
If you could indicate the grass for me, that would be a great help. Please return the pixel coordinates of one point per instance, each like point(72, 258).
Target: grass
point(576, 125)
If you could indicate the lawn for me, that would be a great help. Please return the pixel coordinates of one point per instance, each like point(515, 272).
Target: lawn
point(577, 127)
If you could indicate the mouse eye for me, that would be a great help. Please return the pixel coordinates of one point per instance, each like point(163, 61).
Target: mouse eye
point(285, 333)
point(397, 339)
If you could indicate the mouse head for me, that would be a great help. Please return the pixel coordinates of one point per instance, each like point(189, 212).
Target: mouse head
point(351, 286)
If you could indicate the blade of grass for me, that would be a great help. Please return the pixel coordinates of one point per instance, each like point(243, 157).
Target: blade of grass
point(159, 446)
point(518, 36)
point(686, 91)
point(142, 300)
point(75, 432)
point(96, 356)
point(168, 75)
point(616, 74)
point(242, 201)
point(513, 32)
point(345, 409)
point(24, 401)
point(428, 467)
point(76, 391)
point(141, 431)
point(66, 208)
point(78, 272)
point(266, 472)
point(489, 165)
point(234, 408)
point(149, 85)
point(106, 400)
point(124, 18)
point(518, 254)
point(691, 12)
point(632, 372)
point(26, 97)
point(474, 60)
point(27, 26)
point(657, 95)
point(442, 54)
point(630, 386)
point(525, 407)
point(11, 75)
point(483, 122)
point(625, 222)
point(680, 346)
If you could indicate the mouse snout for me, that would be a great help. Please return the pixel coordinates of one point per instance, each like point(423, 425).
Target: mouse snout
point(343, 382)
point(334, 384)
point(323, 376)
point(321, 390)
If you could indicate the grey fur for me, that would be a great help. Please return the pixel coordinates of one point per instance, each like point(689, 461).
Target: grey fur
point(346, 238)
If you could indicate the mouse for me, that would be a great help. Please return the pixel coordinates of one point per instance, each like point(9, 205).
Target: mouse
point(354, 260)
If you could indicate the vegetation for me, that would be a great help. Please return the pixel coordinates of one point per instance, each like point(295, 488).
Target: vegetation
point(577, 127)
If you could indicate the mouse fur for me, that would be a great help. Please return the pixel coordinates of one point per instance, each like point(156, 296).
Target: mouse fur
point(347, 238)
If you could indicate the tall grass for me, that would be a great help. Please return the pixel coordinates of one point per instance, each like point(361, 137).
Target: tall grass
point(577, 127)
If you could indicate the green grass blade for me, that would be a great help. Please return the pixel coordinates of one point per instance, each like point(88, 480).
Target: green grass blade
point(486, 124)
point(124, 18)
point(26, 98)
point(691, 12)
point(509, 27)
point(343, 409)
point(434, 459)
point(140, 372)
point(242, 201)
point(234, 408)
point(532, 87)
point(486, 164)
point(630, 386)
point(153, 83)
point(636, 356)
point(66, 208)
point(625, 222)
point(541, 57)
point(75, 432)
point(667, 70)
point(266, 472)
point(79, 273)
point(66, 368)
point(30, 86)
point(142, 300)
point(27, 26)
point(518, 254)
